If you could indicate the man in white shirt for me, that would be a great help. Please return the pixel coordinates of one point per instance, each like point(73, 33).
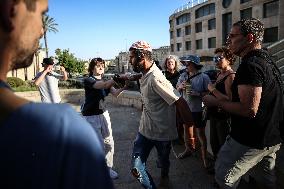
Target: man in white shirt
point(47, 82)
point(157, 128)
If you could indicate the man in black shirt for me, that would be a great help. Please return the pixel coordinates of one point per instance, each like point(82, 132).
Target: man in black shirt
point(256, 110)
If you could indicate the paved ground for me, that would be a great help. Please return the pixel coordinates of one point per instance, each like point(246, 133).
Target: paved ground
point(184, 174)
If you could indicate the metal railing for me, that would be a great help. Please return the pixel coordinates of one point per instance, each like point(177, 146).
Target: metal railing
point(189, 5)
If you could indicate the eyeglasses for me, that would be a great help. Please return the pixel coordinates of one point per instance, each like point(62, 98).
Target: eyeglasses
point(232, 35)
point(217, 59)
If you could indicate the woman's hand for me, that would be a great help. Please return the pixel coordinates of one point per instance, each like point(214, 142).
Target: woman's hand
point(210, 101)
point(211, 87)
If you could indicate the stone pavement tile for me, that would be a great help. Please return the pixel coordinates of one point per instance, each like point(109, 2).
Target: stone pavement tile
point(184, 174)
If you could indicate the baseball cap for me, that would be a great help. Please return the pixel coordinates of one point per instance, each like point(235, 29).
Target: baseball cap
point(141, 45)
point(48, 61)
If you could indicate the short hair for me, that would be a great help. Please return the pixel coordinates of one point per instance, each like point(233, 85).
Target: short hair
point(93, 63)
point(251, 26)
point(177, 62)
point(227, 54)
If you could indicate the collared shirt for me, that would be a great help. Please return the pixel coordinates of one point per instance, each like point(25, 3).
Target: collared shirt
point(158, 120)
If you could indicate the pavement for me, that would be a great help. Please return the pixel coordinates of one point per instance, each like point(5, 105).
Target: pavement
point(187, 173)
point(184, 174)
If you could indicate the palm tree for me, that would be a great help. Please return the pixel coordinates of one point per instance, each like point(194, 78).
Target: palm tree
point(48, 26)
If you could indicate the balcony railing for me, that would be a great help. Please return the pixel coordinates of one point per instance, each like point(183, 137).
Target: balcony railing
point(189, 5)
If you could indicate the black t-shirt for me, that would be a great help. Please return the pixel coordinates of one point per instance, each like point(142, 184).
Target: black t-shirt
point(172, 77)
point(93, 97)
point(262, 130)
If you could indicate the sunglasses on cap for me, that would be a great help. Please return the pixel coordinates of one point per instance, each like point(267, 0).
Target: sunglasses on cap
point(217, 59)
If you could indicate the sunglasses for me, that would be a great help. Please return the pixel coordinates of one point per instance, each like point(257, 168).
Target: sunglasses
point(217, 59)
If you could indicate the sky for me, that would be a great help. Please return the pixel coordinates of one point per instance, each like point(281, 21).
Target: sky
point(103, 28)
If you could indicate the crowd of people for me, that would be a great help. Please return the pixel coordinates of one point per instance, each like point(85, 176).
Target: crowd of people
point(47, 145)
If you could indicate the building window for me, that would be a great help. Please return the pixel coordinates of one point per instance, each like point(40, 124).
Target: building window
point(244, 1)
point(199, 44)
point(172, 48)
point(270, 9)
point(212, 42)
point(226, 3)
point(246, 13)
point(171, 34)
point(171, 23)
point(188, 45)
point(205, 10)
point(187, 30)
point(179, 46)
point(183, 18)
point(212, 24)
point(270, 35)
point(179, 32)
point(226, 26)
point(198, 27)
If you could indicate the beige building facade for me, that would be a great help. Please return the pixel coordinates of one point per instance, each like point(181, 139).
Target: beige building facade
point(202, 25)
point(122, 60)
point(30, 72)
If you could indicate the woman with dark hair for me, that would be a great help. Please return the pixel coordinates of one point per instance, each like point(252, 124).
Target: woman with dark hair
point(220, 120)
point(94, 109)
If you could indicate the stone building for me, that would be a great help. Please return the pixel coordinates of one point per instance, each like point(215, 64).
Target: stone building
point(30, 72)
point(202, 25)
point(122, 60)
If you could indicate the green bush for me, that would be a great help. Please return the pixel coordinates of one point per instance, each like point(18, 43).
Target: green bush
point(25, 88)
point(70, 84)
point(15, 82)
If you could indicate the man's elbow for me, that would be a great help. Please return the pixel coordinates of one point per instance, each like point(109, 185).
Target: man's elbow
point(251, 113)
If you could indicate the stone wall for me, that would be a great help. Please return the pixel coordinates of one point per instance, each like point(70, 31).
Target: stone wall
point(76, 97)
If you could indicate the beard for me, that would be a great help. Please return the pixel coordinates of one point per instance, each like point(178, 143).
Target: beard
point(24, 58)
point(137, 67)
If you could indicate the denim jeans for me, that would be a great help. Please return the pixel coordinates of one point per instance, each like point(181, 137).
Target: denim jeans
point(141, 150)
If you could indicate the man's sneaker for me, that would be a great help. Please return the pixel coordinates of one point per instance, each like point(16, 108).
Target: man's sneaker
point(113, 174)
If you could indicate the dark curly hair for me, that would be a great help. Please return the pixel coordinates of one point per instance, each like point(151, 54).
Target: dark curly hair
point(252, 26)
point(227, 54)
point(93, 63)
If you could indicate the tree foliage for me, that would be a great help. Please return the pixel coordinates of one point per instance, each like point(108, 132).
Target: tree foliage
point(49, 25)
point(72, 64)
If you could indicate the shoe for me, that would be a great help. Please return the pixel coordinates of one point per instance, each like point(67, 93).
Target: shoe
point(113, 174)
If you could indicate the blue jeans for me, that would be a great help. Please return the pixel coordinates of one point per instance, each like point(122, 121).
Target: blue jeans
point(141, 150)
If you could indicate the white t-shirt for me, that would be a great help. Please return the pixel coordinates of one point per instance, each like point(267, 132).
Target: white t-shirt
point(48, 88)
point(158, 120)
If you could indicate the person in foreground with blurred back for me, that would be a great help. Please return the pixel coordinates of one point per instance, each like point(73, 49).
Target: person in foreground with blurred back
point(256, 111)
point(42, 145)
point(95, 110)
point(158, 121)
